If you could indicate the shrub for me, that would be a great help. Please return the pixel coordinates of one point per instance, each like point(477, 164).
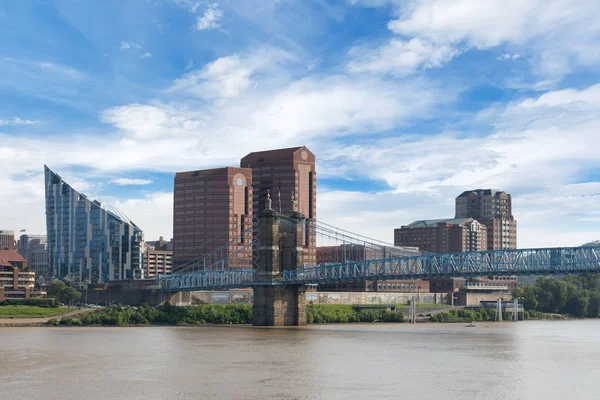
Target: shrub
point(45, 302)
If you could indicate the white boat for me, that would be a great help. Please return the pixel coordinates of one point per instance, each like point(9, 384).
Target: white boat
point(471, 325)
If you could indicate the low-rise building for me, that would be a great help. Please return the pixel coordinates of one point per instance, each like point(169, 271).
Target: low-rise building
point(16, 281)
point(450, 235)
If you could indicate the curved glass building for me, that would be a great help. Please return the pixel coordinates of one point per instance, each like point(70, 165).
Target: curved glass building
point(88, 242)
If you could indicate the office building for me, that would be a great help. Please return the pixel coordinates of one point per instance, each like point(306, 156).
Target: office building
point(16, 281)
point(210, 208)
point(87, 241)
point(286, 173)
point(7, 240)
point(493, 208)
point(443, 235)
point(34, 248)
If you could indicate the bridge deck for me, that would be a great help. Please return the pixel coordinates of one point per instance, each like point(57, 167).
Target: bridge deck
point(549, 261)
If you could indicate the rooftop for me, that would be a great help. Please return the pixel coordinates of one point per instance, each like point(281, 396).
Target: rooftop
point(481, 192)
point(115, 212)
point(11, 256)
point(426, 223)
point(206, 172)
point(270, 155)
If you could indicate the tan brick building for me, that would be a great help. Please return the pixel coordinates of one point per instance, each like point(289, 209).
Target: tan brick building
point(210, 208)
point(493, 208)
point(157, 262)
point(16, 281)
point(286, 172)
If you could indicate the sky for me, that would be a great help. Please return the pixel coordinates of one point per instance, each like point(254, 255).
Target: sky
point(405, 104)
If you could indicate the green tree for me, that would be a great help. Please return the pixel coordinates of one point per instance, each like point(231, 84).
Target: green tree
point(577, 305)
point(594, 305)
point(55, 287)
point(68, 295)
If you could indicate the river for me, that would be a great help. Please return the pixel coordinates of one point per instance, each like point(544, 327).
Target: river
point(525, 360)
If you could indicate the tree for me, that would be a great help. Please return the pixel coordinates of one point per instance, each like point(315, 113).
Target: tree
point(577, 304)
point(69, 295)
point(594, 307)
point(55, 288)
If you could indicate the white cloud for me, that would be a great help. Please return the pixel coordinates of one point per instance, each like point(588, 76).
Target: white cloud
point(229, 76)
point(129, 45)
point(561, 34)
point(399, 57)
point(211, 19)
point(589, 97)
point(152, 213)
point(146, 55)
point(192, 6)
point(339, 106)
point(509, 56)
point(130, 181)
point(17, 121)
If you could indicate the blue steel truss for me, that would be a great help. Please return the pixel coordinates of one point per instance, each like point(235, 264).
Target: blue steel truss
point(567, 260)
point(206, 280)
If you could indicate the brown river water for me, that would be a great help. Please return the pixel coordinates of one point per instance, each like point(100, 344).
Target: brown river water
point(525, 360)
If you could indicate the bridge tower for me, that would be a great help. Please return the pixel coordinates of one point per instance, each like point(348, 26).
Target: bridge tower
point(280, 248)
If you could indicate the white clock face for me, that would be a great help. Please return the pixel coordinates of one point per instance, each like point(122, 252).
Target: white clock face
point(239, 181)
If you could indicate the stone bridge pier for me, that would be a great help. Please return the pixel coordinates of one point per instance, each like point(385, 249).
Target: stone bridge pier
point(280, 248)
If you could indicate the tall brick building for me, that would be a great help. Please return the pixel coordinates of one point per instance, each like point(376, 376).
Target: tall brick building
point(443, 235)
point(210, 208)
point(286, 172)
point(493, 208)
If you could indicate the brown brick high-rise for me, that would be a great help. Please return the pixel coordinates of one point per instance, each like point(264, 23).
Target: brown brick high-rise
point(211, 207)
point(286, 172)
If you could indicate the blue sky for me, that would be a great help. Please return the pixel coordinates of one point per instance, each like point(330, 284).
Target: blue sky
point(405, 103)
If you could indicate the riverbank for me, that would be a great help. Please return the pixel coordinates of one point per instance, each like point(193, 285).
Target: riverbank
point(42, 321)
point(489, 315)
point(24, 311)
point(241, 314)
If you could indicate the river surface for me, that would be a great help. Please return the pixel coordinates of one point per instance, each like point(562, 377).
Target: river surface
point(525, 360)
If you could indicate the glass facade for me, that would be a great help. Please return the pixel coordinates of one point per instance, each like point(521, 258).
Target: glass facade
point(87, 243)
point(34, 248)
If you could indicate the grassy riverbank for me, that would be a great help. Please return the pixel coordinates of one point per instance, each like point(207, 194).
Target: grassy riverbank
point(339, 313)
point(222, 314)
point(20, 311)
point(484, 314)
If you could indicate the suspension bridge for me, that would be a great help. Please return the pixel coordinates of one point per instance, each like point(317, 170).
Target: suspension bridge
point(288, 252)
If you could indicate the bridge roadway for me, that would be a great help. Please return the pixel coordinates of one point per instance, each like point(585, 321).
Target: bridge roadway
point(543, 261)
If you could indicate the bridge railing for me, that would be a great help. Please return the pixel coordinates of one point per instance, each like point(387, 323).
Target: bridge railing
point(206, 280)
point(497, 262)
point(484, 263)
